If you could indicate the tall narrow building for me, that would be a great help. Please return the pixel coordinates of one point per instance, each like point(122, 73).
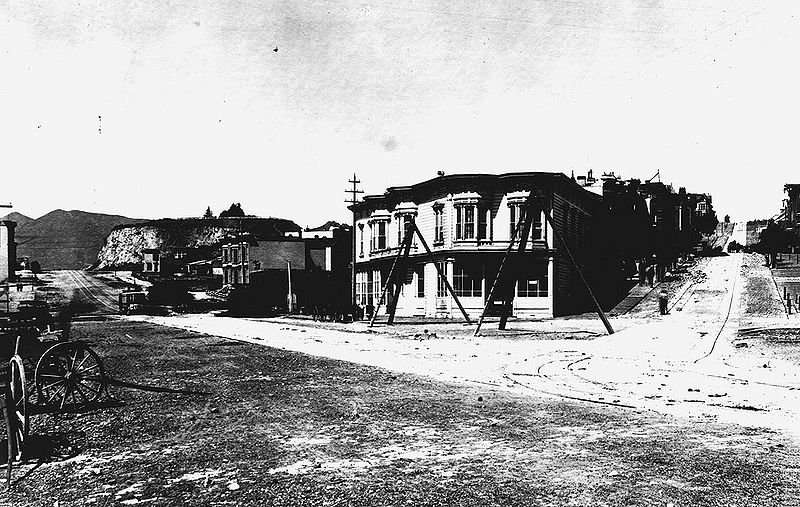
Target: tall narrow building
point(8, 250)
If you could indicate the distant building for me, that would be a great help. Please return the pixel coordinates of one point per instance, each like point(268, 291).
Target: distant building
point(318, 260)
point(790, 215)
point(590, 183)
point(8, 250)
point(468, 221)
point(170, 261)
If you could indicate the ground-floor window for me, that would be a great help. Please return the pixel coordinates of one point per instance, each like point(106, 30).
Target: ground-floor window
point(421, 281)
point(533, 284)
point(441, 288)
point(467, 280)
point(368, 287)
point(362, 288)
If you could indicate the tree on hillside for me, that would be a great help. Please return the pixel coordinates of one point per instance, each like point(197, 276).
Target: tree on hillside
point(234, 211)
point(208, 213)
point(774, 239)
point(706, 224)
point(36, 268)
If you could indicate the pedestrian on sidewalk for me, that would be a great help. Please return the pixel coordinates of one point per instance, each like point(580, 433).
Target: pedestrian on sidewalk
point(662, 302)
point(640, 267)
point(651, 273)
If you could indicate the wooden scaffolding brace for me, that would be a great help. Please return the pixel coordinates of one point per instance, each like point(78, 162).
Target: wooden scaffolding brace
point(532, 204)
point(399, 266)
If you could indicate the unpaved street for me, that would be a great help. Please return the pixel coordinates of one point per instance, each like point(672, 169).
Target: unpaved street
point(684, 363)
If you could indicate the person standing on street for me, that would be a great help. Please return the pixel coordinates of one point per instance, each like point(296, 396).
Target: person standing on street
point(662, 302)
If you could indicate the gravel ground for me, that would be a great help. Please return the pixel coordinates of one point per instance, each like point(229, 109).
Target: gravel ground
point(762, 298)
point(282, 428)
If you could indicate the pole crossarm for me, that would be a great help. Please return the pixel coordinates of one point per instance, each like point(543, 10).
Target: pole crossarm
point(353, 200)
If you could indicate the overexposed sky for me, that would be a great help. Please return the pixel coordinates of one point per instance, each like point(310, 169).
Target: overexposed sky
point(161, 108)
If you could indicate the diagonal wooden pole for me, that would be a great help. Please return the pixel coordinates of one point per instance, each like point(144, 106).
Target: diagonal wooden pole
point(508, 299)
point(406, 247)
point(558, 236)
point(490, 299)
point(385, 287)
point(439, 272)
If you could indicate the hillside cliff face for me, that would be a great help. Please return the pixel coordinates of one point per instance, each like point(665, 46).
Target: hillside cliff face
point(124, 245)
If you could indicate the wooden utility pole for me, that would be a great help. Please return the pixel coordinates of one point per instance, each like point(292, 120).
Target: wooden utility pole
point(353, 200)
point(289, 298)
point(11, 272)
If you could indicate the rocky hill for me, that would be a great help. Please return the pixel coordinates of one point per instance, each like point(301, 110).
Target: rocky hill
point(124, 244)
point(19, 218)
point(64, 239)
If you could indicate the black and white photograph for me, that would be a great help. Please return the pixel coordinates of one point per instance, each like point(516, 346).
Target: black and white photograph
point(399, 253)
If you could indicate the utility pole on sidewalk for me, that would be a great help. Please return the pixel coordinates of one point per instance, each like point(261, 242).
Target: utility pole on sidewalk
point(353, 200)
point(10, 273)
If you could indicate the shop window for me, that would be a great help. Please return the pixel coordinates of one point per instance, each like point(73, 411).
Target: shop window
point(467, 281)
point(533, 285)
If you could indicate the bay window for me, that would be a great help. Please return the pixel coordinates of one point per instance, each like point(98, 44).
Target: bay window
point(471, 221)
point(438, 223)
point(537, 225)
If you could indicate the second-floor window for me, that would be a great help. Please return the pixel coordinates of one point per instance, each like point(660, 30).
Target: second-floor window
point(438, 225)
point(361, 239)
point(235, 255)
point(378, 236)
point(224, 255)
point(470, 222)
point(403, 226)
point(536, 226)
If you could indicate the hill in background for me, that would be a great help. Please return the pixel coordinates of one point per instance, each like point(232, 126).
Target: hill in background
point(65, 239)
point(125, 244)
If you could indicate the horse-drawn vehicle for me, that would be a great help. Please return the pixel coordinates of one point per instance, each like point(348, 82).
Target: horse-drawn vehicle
point(41, 371)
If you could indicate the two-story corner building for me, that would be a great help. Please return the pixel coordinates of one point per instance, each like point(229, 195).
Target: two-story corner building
point(468, 221)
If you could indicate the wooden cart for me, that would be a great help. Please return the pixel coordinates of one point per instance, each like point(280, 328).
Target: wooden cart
point(41, 371)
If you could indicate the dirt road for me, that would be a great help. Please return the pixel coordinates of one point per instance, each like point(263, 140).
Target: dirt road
point(684, 363)
point(86, 292)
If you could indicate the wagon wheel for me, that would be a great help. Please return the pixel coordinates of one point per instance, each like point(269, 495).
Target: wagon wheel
point(18, 409)
point(9, 435)
point(69, 374)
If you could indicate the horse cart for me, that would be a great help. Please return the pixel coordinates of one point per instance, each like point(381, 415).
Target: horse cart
point(41, 371)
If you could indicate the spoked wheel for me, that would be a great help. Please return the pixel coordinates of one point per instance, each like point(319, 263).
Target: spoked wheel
point(5, 404)
point(70, 375)
point(18, 409)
